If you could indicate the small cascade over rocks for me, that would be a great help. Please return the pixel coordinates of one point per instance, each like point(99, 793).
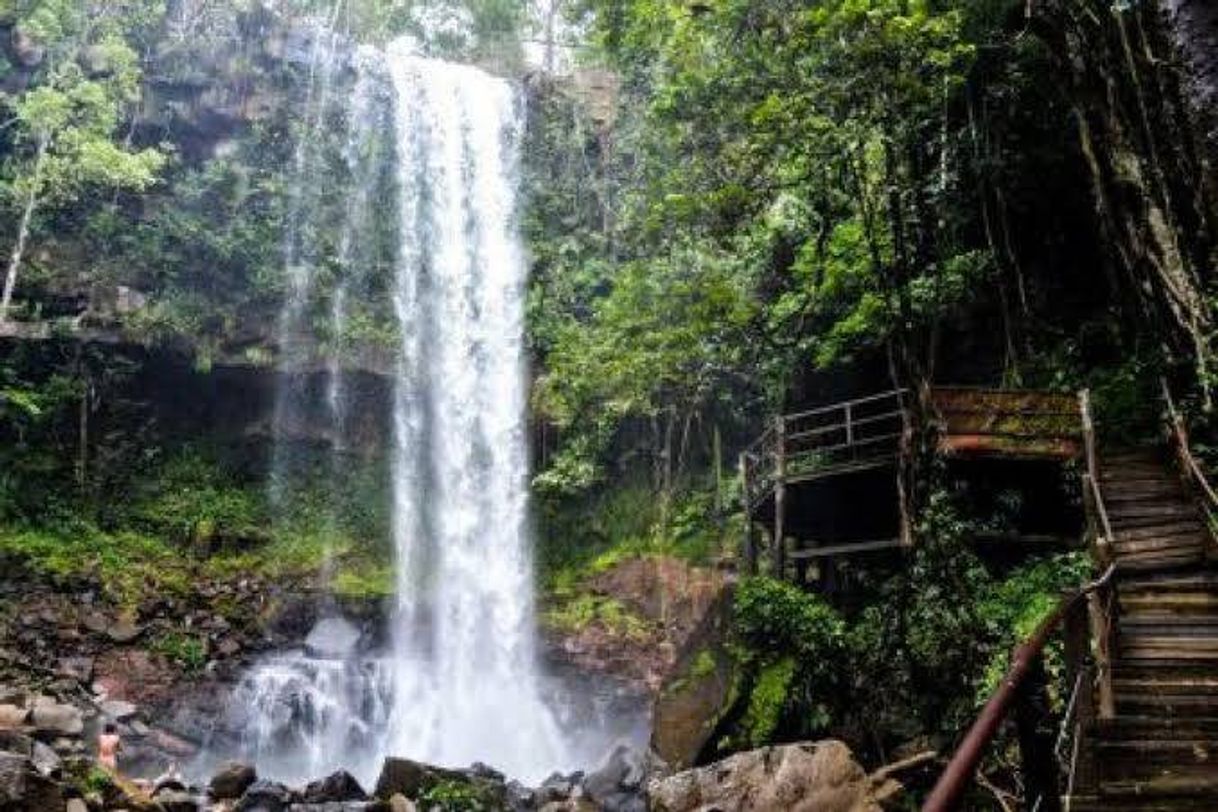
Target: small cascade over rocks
point(426, 184)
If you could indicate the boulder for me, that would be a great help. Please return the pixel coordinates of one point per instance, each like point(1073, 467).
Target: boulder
point(411, 778)
point(95, 622)
point(558, 787)
point(123, 630)
point(22, 787)
point(13, 716)
point(698, 693)
point(400, 803)
point(77, 805)
point(339, 786)
point(56, 719)
point(618, 785)
point(232, 780)
point(806, 777)
point(176, 800)
point(265, 796)
point(117, 710)
point(77, 668)
point(45, 760)
point(332, 638)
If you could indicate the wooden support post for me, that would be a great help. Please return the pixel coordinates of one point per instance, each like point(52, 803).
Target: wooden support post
point(1100, 635)
point(850, 430)
point(778, 552)
point(746, 498)
point(1080, 673)
point(1036, 741)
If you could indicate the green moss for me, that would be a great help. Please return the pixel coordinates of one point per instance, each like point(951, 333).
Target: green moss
point(703, 664)
point(456, 796)
point(586, 610)
point(767, 701)
point(185, 650)
point(364, 582)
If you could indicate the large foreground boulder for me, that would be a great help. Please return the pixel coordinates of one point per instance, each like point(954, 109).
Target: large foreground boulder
point(232, 780)
point(340, 786)
point(401, 776)
point(619, 784)
point(807, 777)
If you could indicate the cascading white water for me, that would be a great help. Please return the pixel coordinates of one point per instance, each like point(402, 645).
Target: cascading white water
point(466, 684)
point(459, 681)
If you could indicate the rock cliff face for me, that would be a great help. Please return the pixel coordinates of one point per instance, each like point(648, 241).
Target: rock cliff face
point(1194, 32)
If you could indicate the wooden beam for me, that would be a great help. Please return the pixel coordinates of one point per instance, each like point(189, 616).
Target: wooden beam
point(846, 549)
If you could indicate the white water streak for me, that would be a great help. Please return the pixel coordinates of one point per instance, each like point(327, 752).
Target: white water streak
point(466, 681)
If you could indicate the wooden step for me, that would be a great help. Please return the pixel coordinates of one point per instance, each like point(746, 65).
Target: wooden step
point(1140, 512)
point(1181, 602)
point(1157, 753)
point(1168, 647)
point(1166, 528)
point(1142, 727)
point(1133, 547)
point(1206, 578)
point(1149, 490)
point(1148, 779)
point(1095, 803)
point(1158, 562)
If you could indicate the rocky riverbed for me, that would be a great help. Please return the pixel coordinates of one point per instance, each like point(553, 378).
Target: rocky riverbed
point(806, 777)
point(161, 669)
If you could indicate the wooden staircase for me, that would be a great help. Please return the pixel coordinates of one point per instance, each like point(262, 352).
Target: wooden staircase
point(1159, 749)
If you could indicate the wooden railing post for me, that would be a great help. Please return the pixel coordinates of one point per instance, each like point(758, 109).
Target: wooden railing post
point(1080, 680)
point(1101, 635)
point(850, 428)
point(1036, 740)
point(750, 546)
point(779, 553)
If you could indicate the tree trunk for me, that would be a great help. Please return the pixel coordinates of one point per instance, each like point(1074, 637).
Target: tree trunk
point(1193, 26)
point(23, 232)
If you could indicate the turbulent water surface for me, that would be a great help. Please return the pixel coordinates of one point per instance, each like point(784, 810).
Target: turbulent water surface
point(458, 680)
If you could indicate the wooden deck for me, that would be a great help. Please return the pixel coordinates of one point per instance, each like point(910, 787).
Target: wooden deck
point(874, 434)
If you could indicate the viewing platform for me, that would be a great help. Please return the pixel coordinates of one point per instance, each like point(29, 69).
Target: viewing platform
point(830, 481)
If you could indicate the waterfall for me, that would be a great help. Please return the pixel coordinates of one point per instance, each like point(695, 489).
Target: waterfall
point(466, 686)
point(458, 680)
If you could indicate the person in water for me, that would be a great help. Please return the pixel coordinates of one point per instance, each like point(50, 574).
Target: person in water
point(108, 747)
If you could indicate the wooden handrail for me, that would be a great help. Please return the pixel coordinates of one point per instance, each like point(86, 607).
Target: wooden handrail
point(952, 783)
point(1092, 494)
point(1178, 432)
point(842, 405)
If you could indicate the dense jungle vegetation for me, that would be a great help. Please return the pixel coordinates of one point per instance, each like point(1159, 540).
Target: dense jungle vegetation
point(787, 203)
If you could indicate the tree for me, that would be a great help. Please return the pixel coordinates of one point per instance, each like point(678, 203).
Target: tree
point(66, 127)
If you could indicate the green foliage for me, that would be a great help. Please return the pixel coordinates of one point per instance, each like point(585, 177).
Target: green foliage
point(456, 796)
point(196, 499)
point(766, 703)
point(774, 618)
point(590, 533)
point(185, 650)
point(98, 781)
point(586, 610)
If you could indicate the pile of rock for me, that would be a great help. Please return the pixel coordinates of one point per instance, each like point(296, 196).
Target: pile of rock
point(808, 777)
point(820, 777)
